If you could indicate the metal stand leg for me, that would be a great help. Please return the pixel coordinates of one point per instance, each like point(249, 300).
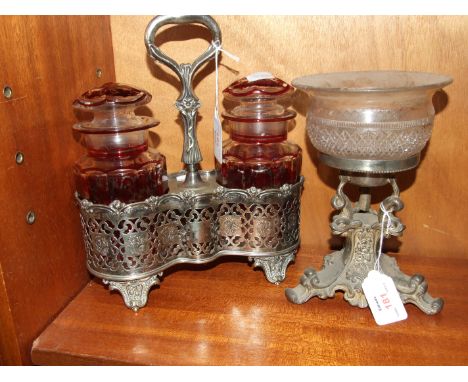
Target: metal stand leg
point(413, 289)
point(346, 269)
point(135, 292)
point(274, 267)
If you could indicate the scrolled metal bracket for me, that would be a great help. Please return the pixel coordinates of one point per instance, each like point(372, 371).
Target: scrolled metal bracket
point(343, 222)
point(388, 206)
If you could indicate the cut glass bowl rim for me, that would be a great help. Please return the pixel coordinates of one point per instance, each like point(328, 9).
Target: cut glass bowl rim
point(377, 81)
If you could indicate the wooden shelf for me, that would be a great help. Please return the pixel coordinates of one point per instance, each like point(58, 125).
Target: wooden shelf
point(227, 314)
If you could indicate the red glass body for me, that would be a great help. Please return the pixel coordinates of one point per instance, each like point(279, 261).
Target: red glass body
point(268, 162)
point(129, 175)
point(258, 153)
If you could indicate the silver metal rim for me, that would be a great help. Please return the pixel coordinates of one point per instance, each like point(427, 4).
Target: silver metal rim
point(370, 165)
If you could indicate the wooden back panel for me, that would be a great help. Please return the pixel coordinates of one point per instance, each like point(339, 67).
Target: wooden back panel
point(289, 47)
point(47, 62)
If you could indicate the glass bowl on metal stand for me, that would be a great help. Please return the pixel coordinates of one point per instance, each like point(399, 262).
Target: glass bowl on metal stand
point(370, 126)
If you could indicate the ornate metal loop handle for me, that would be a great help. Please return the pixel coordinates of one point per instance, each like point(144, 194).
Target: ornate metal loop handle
point(187, 103)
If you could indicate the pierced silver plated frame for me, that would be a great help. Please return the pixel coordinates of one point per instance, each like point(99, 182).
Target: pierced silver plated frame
point(130, 245)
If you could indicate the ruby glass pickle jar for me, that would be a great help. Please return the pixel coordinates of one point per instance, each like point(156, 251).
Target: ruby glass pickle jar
point(258, 153)
point(118, 164)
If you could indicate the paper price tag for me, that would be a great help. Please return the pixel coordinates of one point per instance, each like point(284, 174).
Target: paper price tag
point(259, 76)
point(383, 298)
point(218, 139)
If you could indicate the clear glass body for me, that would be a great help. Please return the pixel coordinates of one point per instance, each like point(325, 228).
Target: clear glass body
point(118, 164)
point(385, 115)
point(258, 153)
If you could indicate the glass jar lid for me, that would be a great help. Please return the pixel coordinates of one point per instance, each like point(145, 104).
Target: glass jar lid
point(113, 106)
point(259, 99)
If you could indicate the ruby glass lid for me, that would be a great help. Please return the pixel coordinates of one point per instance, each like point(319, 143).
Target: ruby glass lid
point(113, 106)
point(258, 97)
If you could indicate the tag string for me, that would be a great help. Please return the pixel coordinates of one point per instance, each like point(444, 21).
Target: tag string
point(383, 228)
point(218, 48)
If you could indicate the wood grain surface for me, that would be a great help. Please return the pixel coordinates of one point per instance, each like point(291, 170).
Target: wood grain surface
point(9, 346)
point(47, 62)
point(227, 314)
point(292, 46)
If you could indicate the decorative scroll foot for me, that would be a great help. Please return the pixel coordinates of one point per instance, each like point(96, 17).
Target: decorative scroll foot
point(274, 267)
point(135, 292)
point(335, 275)
point(338, 276)
point(412, 289)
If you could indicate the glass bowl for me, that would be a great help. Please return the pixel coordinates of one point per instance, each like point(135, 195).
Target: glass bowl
point(355, 118)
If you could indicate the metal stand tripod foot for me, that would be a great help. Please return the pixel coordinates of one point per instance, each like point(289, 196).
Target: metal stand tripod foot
point(345, 270)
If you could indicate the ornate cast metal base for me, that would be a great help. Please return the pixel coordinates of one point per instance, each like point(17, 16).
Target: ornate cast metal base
point(274, 266)
point(134, 292)
point(346, 269)
point(128, 245)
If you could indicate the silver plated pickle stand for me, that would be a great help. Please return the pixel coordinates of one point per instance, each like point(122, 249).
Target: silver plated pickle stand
point(129, 246)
